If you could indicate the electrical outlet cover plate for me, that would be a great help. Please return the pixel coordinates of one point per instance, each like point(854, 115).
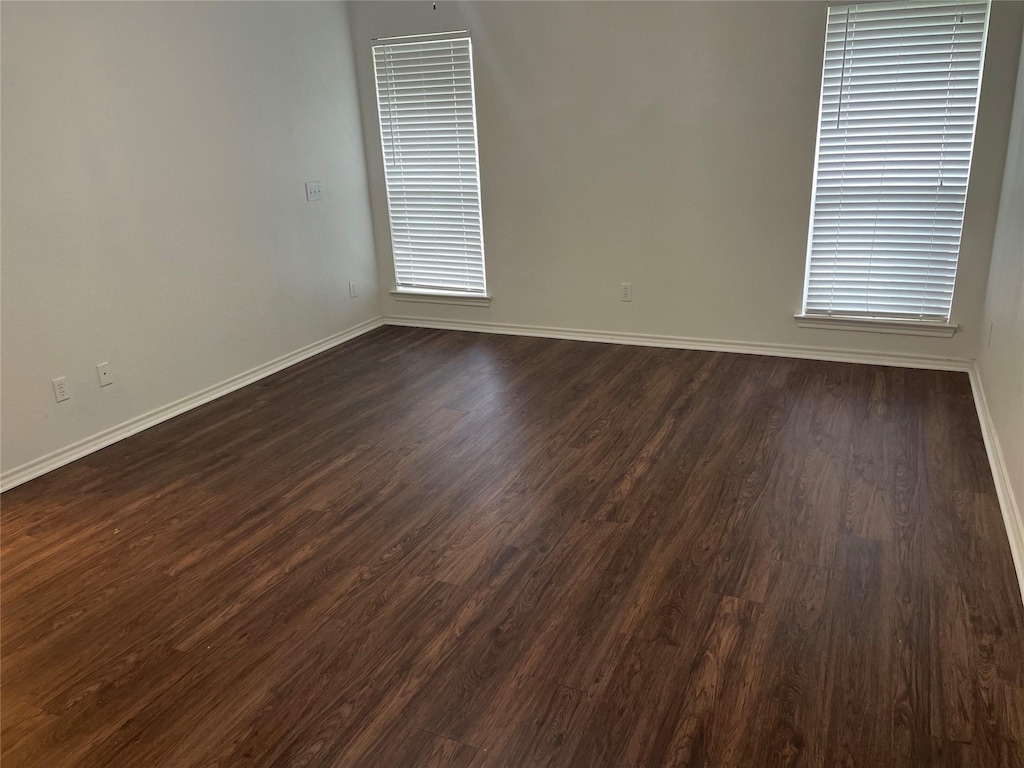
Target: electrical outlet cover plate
point(60, 389)
point(103, 372)
point(313, 191)
point(626, 292)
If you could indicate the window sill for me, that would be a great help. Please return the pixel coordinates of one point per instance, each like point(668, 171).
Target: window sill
point(442, 297)
point(878, 325)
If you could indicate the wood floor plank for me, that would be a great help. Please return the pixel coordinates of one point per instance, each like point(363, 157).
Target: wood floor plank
point(777, 688)
point(690, 730)
point(628, 714)
point(21, 729)
point(435, 548)
point(860, 682)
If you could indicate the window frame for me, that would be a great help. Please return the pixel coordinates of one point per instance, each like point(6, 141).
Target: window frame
point(433, 294)
point(926, 325)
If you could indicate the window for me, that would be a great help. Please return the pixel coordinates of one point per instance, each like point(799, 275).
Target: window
point(427, 113)
point(899, 98)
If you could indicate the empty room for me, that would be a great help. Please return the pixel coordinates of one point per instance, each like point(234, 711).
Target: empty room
point(502, 384)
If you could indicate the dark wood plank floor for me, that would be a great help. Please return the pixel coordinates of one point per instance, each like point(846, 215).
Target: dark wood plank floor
point(430, 548)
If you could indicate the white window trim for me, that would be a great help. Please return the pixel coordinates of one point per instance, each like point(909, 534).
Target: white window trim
point(878, 325)
point(436, 295)
point(441, 297)
point(884, 324)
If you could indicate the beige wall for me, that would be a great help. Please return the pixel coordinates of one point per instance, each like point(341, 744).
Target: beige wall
point(670, 145)
point(1001, 353)
point(153, 160)
point(154, 214)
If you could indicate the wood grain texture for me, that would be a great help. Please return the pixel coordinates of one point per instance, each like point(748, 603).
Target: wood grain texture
point(432, 548)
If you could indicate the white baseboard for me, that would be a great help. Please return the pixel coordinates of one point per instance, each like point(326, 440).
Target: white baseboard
point(59, 458)
point(1012, 520)
point(685, 342)
point(1010, 510)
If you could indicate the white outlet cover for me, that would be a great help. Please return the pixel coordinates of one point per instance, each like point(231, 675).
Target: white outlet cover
point(60, 389)
point(352, 290)
point(314, 191)
point(104, 375)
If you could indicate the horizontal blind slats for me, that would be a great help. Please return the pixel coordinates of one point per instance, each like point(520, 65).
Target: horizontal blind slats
point(428, 135)
point(895, 135)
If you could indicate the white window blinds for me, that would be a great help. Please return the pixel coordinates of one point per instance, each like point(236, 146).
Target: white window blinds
point(428, 134)
point(899, 97)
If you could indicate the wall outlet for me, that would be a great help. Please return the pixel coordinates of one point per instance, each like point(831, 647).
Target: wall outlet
point(60, 389)
point(626, 292)
point(103, 372)
point(352, 290)
point(313, 191)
